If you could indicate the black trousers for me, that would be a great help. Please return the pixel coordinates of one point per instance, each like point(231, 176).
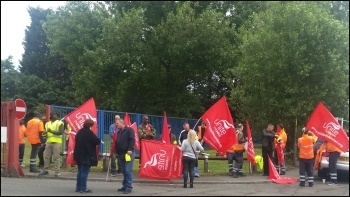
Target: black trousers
point(306, 166)
point(21, 153)
point(266, 153)
point(33, 155)
point(333, 158)
point(41, 154)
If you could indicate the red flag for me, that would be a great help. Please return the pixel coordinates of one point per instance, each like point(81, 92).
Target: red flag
point(71, 143)
point(165, 133)
point(323, 124)
point(280, 154)
point(86, 111)
point(220, 132)
point(160, 161)
point(76, 120)
point(137, 139)
point(276, 178)
point(250, 150)
point(114, 140)
point(127, 121)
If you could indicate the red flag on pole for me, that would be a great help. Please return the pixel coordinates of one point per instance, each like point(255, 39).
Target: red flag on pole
point(137, 139)
point(160, 161)
point(165, 132)
point(323, 124)
point(76, 120)
point(70, 149)
point(250, 150)
point(276, 178)
point(114, 140)
point(86, 111)
point(220, 132)
point(127, 121)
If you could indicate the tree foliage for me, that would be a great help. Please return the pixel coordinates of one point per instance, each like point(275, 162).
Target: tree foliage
point(273, 60)
point(39, 61)
point(128, 64)
point(293, 55)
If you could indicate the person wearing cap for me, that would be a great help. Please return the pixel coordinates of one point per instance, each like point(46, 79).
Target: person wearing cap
point(53, 131)
point(172, 136)
point(35, 127)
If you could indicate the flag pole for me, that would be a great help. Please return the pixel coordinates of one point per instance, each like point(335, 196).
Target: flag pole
point(250, 168)
point(109, 165)
point(194, 128)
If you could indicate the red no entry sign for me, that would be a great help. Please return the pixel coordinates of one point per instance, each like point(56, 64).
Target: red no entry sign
point(21, 109)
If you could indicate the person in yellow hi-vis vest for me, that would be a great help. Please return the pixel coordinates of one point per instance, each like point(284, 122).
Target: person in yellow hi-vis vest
point(53, 131)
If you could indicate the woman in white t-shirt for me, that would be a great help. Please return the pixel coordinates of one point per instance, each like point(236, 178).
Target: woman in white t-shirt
point(190, 148)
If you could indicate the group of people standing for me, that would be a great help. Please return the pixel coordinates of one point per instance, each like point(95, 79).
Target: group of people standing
point(49, 137)
point(45, 140)
point(188, 141)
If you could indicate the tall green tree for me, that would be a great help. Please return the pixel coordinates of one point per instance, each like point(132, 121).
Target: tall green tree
point(127, 64)
point(15, 84)
point(45, 64)
point(9, 79)
point(293, 55)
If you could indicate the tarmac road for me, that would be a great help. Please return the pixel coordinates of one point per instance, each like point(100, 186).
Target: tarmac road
point(62, 187)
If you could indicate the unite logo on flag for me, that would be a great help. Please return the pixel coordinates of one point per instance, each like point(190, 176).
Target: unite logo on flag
point(323, 124)
point(81, 117)
point(161, 160)
point(220, 133)
point(331, 128)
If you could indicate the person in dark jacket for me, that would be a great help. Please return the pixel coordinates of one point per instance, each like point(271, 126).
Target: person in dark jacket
point(125, 151)
point(268, 135)
point(86, 143)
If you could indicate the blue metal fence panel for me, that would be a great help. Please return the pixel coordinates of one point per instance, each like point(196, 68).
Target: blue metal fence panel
point(105, 118)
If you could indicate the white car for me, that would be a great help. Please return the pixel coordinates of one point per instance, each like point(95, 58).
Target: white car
point(342, 165)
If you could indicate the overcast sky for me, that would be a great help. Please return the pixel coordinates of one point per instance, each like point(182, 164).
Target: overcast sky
point(14, 21)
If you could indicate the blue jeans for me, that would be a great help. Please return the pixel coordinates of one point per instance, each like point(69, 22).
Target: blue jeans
point(83, 172)
point(126, 167)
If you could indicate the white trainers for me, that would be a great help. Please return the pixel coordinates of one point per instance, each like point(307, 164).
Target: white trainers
point(331, 184)
point(22, 165)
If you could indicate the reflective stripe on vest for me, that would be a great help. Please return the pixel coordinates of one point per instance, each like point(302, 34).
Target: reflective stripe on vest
point(54, 126)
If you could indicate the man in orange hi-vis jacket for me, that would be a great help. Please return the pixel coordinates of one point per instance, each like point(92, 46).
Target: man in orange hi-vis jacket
point(306, 157)
point(334, 154)
point(35, 127)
